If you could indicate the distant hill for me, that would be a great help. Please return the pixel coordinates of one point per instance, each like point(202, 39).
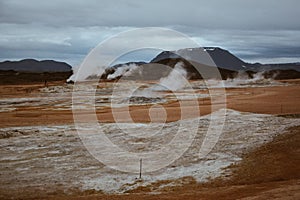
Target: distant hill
point(280, 66)
point(224, 59)
point(193, 73)
point(11, 77)
point(228, 65)
point(31, 65)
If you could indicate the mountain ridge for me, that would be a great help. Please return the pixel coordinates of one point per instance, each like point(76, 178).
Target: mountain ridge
point(225, 59)
point(32, 65)
point(221, 57)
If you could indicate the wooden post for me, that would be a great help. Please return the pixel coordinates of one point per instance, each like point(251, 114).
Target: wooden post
point(140, 168)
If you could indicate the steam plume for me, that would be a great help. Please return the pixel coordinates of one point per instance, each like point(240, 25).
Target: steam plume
point(176, 79)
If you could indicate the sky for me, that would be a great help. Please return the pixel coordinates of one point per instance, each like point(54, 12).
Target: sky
point(266, 31)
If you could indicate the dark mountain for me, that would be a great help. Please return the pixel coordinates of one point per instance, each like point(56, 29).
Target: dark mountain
point(31, 65)
point(224, 59)
point(193, 73)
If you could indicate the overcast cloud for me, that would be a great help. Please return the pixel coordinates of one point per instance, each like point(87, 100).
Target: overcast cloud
point(66, 30)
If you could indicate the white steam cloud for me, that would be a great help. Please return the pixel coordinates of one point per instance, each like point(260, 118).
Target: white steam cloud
point(85, 74)
point(242, 80)
point(124, 70)
point(177, 79)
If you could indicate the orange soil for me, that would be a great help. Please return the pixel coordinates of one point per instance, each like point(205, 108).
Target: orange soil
point(267, 100)
point(269, 172)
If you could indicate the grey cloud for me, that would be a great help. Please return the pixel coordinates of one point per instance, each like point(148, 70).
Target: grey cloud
point(38, 41)
point(255, 14)
point(251, 44)
point(69, 29)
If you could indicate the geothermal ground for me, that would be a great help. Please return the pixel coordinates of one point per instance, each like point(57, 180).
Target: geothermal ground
point(256, 155)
